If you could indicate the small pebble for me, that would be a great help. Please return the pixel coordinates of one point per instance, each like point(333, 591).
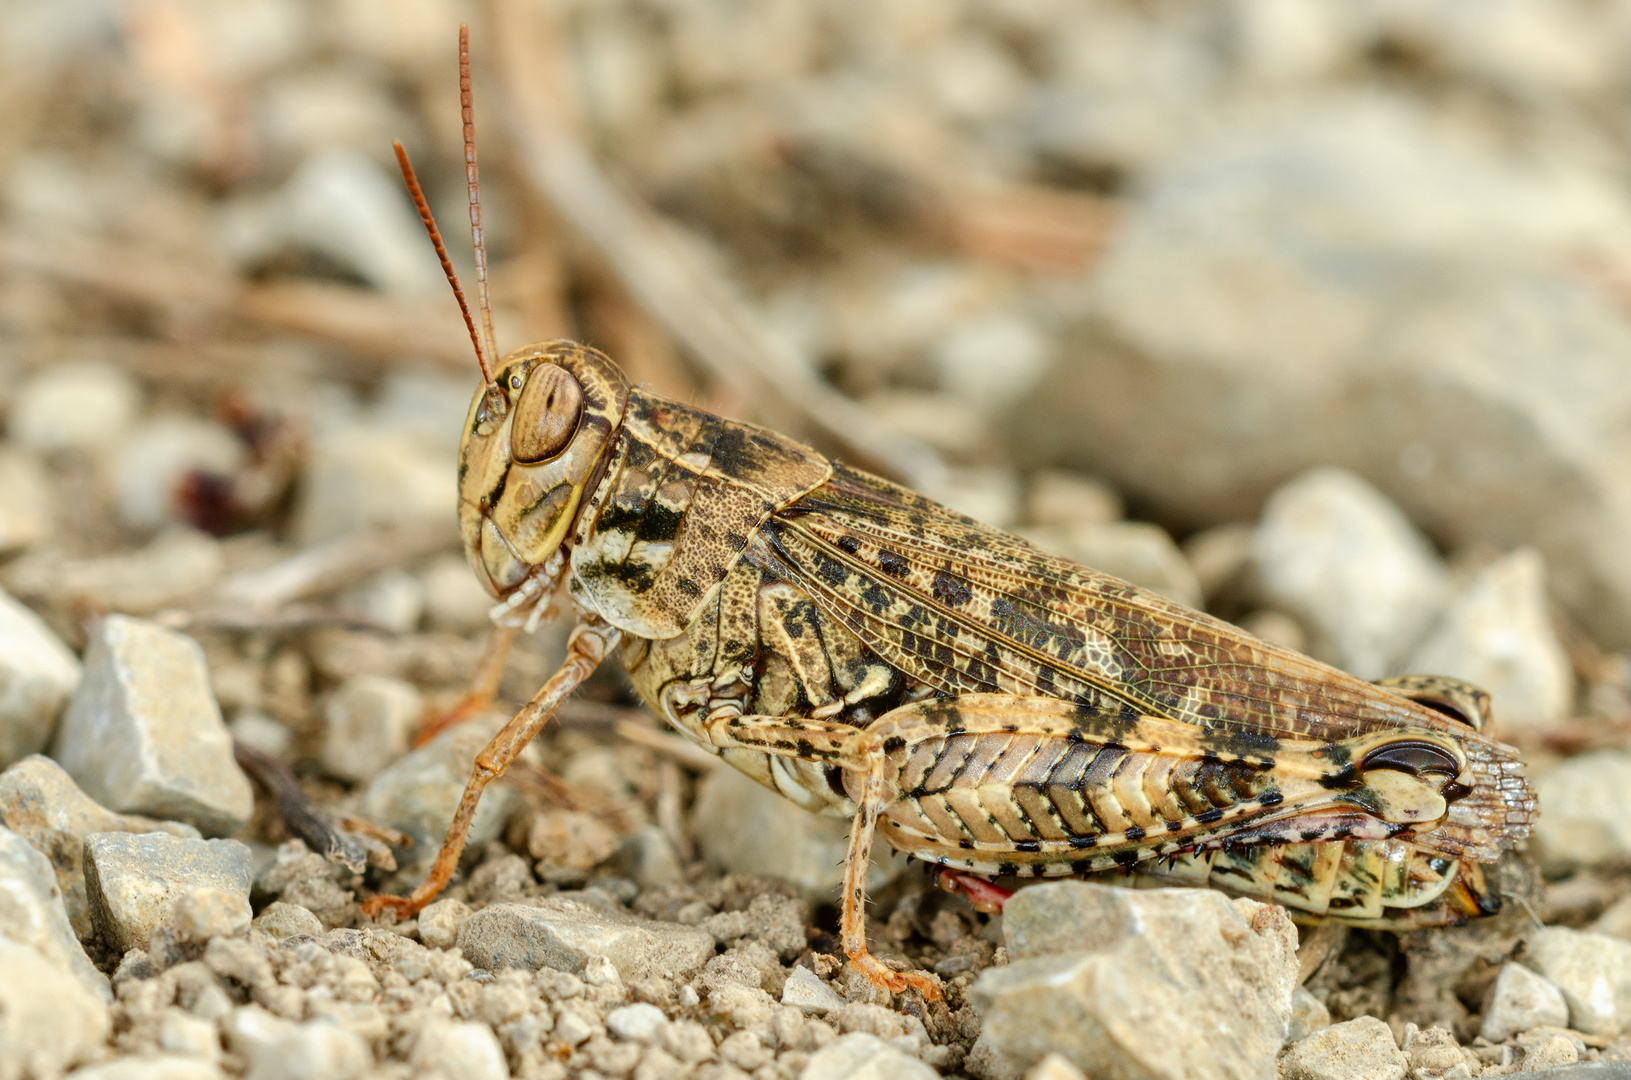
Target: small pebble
point(136, 881)
point(368, 724)
point(282, 920)
point(637, 1023)
point(38, 674)
point(1520, 1000)
point(1359, 1049)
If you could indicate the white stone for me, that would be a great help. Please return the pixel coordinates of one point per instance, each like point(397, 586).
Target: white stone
point(143, 733)
point(785, 842)
point(992, 360)
point(1169, 982)
point(454, 599)
point(31, 913)
point(466, 1050)
point(1498, 635)
point(368, 724)
point(392, 600)
point(1055, 1067)
point(26, 501)
point(1521, 1000)
point(177, 567)
point(282, 920)
point(1360, 1049)
point(157, 457)
point(315, 1050)
point(859, 1056)
point(259, 731)
point(1058, 497)
point(190, 1036)
point(250, 1030)
point(804, 990)
point(562, 933)
point(136, 881)
point(1592, 970)
point(1584, 801)
point(364, 476)
point(1333, 551)
point(49, 1021)
point(1308, 1015)
point(439, 923)
point(1134, 551)
point(153, 1067)
point(75, 406)
point(37, 676)
point(637, 1023)
point(986, 493)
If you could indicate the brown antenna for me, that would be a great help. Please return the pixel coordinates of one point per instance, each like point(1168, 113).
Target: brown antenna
point(441, 253)
point(477, 239)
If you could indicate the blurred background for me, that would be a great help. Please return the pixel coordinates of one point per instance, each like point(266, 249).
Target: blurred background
point(1311, 313)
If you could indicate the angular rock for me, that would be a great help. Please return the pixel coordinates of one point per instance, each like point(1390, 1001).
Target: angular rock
point(864, 1057)
point(803, 990)
point(565, 934)
point(783, 841)
point(1360, 1049)
point(1593, 971)
point(315, 1050)
point(1331, 550)
point(419, 792)
point(1134, 551)
point(42, 804)
point(466, 1050)
point(1520, 1000)
point(135, 881)
point(1585, 800)
point(31, 913)
point(49, 1020)
point(143, 733)
point(37, 676)
point(1498, 635)
point(439, 923)
point(1346, 281)
point(1167, 983)
point(368, 724)
point(1308, 1015)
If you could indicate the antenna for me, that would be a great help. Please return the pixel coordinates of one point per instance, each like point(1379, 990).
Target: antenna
point(441, 253)
point(477, 239)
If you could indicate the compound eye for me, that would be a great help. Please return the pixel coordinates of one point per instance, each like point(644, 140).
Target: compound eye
point(546, 415)
point(1415, 758)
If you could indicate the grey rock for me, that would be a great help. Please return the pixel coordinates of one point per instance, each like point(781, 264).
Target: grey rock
point(37, 676)
point(74, 406)
point(986, 1062)
point(1334, 552)
point(31, 913)
point(1057, 497)
point(1520, 1000)
point(365, 476)
point(198, 917)
point(419, 792)
point(177, 567)
point(1308, 1015)
point(804, 990)
point(25, 501)
point(1583, 798)
point(859, 1056)
point(136, 880)
point(562, 933)
point(1166, 983)
point(439, 923)
point(1592, 970)
point(368, 724)
point(155, 1067)
point(648, 857)
point(49, 1020)
point(1498, 635)
point(1341, 282)
point(1359, 1049)
point(1134, 551)
point(155, 459)
point(784, 841)
point(42, 804)
point(316, 1050)
point(1055, 1067)
point(637, 1023)
point(454, 599)
point(466, 1050)
point(282, 920)
point(143, 733)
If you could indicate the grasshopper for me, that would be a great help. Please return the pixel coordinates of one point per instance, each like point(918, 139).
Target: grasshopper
point(982, 705)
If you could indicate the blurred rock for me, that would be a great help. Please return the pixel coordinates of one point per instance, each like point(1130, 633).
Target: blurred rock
point(368, 724)
point(260, 732)
point(153, 1067)
point(1332, 551)
point(136, 881)
point(41, 803)
point(26, 502)
point(1277, 628)
point(1360, 1049)
point(987, 493)
point(31, 914)
point(155, 459)
point(1520, 1000)
point(454, 599)
point(1585, 800)
point(315, 1050)
point(992, 360)
point(1055, 1067)
point(1134, 551)
point(561, 933)
point(459, 1048)
point(199, 916)
point(803, 990)
point(366, 476)
point(283, 920)
point(439, 923)
point(49, 1022)
point(37, 676)
point(143, 732)
point(1497, 634)
point(1308, 1015)
point(419, 792)
point(648, 857)
point(392, 600)
point(1348, 281)
point(859, 1056)
point(950, 425)
point(1593, 971)
point(177, 566)
point(1221, 558)
point(786, 842)
point(1057, 497)
point(74, 406)
point(1169, 983)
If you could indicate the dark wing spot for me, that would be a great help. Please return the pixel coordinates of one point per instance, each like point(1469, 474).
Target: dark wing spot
point(892, 564)
point(688, 587)
point(951, 591)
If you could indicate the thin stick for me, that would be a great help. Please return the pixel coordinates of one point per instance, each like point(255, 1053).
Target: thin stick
point(423, 207)
point(477, 238)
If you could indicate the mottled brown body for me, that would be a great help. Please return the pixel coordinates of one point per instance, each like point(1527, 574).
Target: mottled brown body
point(980, 703)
